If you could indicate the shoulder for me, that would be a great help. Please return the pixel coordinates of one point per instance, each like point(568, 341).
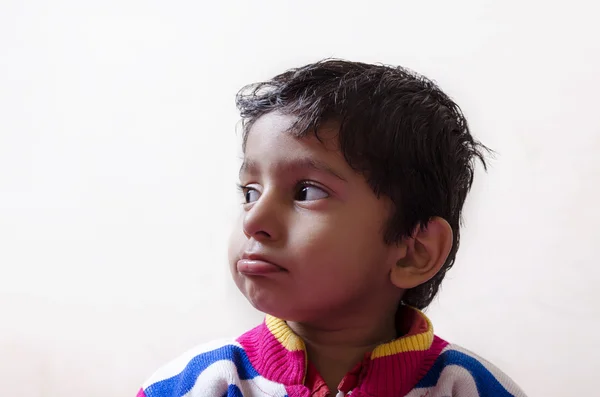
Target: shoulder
point(218, 368)
point(459, 372)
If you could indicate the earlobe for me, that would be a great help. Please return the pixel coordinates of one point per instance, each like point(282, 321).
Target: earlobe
point(426, 252)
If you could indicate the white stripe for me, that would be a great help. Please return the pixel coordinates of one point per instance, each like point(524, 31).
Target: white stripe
point(500, 376)
point(177, 365)
point(454, 381)
point(216, 378)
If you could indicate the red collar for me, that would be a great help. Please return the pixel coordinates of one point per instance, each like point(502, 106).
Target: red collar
point(391, 369)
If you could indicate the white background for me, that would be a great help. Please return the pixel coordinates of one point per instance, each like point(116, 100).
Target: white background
point(119, 154)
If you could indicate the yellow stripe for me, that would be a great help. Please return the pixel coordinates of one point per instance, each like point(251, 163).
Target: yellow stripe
point(419, 342)
point(292, 342)
point(282, 332)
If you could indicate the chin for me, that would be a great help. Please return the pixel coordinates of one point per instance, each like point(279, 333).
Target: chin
point(269, 302)
point(287, 310)
point(263, 301)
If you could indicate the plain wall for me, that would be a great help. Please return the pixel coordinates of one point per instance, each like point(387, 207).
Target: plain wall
point(119, 155)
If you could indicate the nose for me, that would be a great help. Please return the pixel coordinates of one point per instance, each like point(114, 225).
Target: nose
point(263, 221)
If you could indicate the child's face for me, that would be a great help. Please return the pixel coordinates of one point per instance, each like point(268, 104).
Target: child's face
point(309, 242)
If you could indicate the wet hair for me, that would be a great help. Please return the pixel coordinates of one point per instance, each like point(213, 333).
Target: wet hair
point(407, 137)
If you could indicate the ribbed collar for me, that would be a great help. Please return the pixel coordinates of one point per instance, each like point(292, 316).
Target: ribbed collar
point(390, 370)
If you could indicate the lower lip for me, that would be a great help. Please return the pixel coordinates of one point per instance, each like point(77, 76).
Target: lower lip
point(253, 267)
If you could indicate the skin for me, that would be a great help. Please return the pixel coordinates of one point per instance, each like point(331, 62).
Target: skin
point(309, 246)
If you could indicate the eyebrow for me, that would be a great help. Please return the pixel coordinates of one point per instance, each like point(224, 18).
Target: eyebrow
point(251, 166)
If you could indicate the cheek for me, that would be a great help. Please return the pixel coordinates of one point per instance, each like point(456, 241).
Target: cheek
point(345, 243)
point(236, 242)
point(330, 242)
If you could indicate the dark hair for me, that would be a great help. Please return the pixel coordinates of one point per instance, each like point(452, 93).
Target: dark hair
point(408, 138)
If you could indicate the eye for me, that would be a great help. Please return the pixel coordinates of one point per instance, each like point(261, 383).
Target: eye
point(308, 192)
point(250, 194)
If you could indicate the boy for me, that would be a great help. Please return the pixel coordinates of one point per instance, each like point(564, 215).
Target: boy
point(354, 177)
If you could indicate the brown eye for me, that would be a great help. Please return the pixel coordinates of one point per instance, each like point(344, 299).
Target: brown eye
point(250, 195)
point(310, 193)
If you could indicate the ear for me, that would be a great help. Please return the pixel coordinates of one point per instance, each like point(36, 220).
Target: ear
point(423, 254)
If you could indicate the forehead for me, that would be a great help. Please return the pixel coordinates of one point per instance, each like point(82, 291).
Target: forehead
point(271, 135)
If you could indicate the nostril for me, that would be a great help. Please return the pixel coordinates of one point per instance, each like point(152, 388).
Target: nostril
point(262, 233)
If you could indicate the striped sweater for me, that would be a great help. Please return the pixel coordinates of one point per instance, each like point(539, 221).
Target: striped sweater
point(271, 360)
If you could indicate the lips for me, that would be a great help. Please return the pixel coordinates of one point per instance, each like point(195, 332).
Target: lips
point(253, 264)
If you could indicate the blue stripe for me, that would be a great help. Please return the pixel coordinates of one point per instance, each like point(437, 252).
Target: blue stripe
point(487, 384)
point(183, 382)
point(233, 391)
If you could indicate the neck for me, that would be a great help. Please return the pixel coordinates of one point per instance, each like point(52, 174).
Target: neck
point(336, 346)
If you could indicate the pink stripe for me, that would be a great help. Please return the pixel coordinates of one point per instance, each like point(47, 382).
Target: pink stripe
point(271, 359)
point(398, 374)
